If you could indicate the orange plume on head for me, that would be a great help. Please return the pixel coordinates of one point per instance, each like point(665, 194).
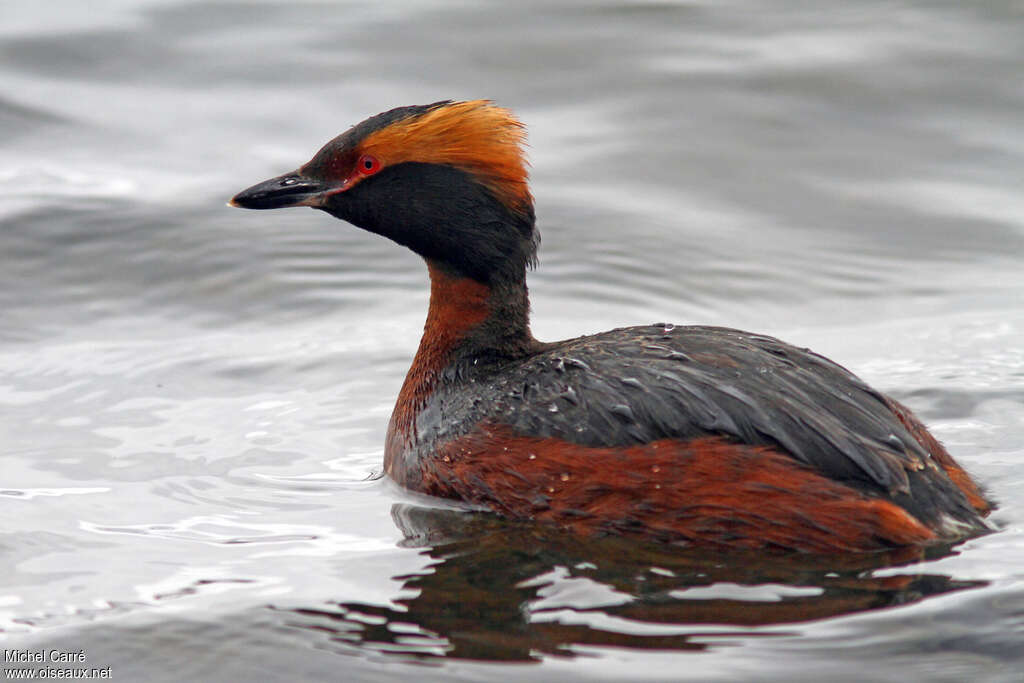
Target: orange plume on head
point(477, 136)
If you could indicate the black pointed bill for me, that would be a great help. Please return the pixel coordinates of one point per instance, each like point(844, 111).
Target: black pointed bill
point(290, 189)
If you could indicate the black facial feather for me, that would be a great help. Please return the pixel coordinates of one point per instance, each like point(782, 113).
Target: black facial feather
point(446, 216)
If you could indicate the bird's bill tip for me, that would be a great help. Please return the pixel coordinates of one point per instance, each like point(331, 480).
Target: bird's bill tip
point(290, 189)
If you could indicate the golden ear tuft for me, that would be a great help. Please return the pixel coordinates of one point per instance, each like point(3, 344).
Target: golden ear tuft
point(476, 136)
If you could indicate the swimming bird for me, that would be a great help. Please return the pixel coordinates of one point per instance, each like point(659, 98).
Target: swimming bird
point(689, 434)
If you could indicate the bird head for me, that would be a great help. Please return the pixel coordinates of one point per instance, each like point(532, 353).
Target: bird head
point(448, 180)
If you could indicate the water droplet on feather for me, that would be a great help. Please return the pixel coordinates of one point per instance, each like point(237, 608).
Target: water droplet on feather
point(623, 411)
point(570, 395)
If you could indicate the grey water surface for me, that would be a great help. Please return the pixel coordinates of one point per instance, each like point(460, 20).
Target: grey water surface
point(193, 398)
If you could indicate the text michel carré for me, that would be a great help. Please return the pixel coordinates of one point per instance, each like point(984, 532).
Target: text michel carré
point(23, 656)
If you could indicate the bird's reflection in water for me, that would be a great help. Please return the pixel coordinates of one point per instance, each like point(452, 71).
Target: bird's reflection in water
point(504, 591)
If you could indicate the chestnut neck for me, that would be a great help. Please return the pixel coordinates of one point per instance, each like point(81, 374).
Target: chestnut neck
point(468, 321)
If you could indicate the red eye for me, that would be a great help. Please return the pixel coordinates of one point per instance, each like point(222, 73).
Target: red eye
point(367, 165)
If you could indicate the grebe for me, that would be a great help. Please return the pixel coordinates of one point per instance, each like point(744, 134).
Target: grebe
point(703, 435)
